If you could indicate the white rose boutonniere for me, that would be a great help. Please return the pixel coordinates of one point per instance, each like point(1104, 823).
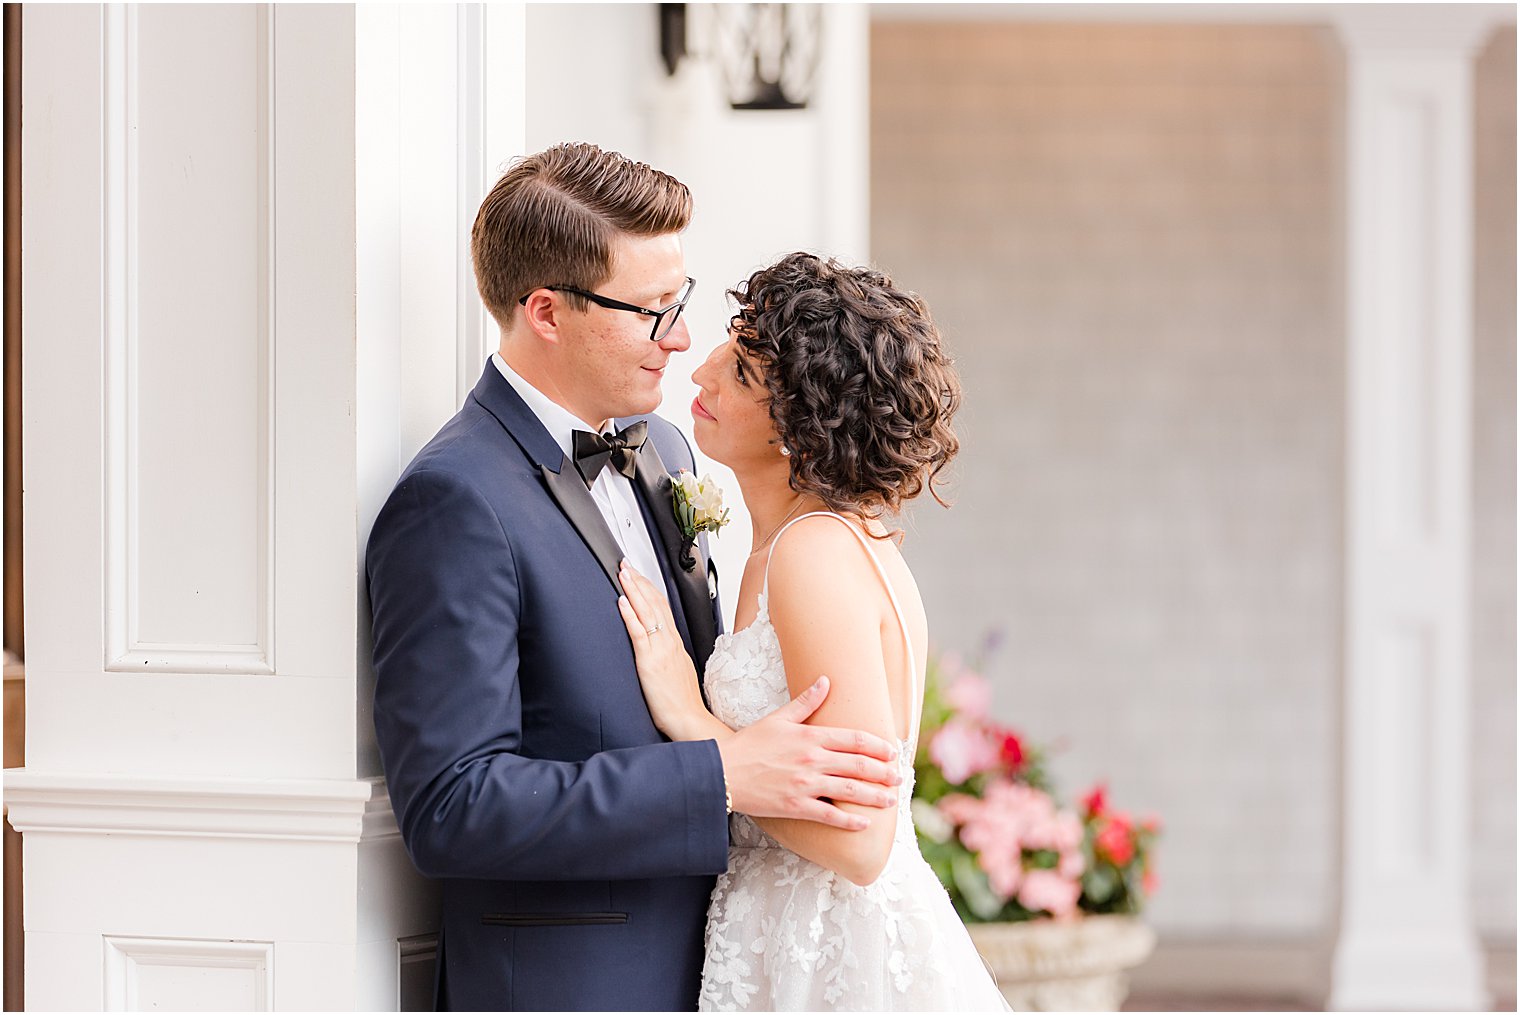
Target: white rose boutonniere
point(699, 508)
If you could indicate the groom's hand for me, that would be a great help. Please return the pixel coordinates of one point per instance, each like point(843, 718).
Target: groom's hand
point(780, 768)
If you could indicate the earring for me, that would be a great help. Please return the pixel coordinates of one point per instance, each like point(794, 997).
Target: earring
point(786, 452)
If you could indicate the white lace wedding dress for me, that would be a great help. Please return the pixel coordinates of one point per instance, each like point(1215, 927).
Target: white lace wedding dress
point(785, 934)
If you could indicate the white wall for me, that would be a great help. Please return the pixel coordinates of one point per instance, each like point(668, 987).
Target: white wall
point(1127, 234)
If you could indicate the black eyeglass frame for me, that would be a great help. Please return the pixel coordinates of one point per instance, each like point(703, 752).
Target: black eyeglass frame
point(655, 334)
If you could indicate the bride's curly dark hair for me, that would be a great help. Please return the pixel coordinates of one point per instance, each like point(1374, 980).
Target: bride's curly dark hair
point(861, 388)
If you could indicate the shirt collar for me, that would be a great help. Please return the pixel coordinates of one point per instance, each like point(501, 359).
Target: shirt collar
point(558, 420)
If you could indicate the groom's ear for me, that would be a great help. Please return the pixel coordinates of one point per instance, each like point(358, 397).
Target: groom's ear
point(541, 315)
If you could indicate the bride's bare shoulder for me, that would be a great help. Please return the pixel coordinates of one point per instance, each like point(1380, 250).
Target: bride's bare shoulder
point(822, 555)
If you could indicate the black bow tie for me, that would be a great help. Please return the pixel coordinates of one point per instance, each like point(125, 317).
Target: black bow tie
point(621, 449)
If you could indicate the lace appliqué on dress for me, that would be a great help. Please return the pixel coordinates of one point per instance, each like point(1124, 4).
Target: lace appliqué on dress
point(744, 675)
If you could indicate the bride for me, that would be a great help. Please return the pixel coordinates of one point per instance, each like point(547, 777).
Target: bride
point(831, 403)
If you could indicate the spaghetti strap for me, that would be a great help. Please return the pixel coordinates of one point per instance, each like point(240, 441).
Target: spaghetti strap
point(915, 702)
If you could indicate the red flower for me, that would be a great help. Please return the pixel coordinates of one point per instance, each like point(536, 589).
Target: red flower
point(1096, 801)
point(1013, 750)
point(1114, 841)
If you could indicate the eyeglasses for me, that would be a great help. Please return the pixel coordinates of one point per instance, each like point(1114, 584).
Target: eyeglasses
point(664, 319)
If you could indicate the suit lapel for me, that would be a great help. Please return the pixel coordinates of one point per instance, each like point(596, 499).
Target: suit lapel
point(655, 485)
point(569, 491)
point(561, 479)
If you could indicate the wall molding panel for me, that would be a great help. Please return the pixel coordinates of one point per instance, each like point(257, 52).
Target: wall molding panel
point(210, 570)
point(197, 885)
point(165, 974)
point(295, 809)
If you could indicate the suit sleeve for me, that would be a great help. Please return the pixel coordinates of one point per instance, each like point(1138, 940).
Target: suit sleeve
point(445, 600)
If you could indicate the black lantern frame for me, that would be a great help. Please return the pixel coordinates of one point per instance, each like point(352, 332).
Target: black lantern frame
point(768, 54)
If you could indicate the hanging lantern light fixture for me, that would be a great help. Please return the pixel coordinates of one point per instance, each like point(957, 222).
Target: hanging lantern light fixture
point(767, 54)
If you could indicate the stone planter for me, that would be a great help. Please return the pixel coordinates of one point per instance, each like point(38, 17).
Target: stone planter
point(1045, 965)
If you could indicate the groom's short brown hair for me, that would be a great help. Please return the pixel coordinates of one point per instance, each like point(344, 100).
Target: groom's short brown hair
point(553, 216)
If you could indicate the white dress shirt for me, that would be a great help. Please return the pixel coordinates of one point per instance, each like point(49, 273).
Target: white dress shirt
point(612, 491)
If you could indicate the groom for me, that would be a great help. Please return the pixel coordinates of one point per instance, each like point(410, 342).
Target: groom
point(575, 846)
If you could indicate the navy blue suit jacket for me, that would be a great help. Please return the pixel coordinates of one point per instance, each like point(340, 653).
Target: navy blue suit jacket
point(576, 847)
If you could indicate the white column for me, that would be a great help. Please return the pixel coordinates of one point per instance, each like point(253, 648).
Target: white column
point(1407, 939)
point(844, 140)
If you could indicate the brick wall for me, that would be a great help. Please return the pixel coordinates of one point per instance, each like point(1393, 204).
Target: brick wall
point(1130, 235)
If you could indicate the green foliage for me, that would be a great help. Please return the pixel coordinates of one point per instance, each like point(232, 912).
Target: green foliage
point(972, 885)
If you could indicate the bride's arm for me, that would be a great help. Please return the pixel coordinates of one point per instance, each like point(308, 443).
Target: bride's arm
point(826, 606)
point(782, 765)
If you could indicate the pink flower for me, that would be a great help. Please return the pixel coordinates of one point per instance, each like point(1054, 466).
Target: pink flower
point(995, 827)
point(1069, 832)
point(1048, 890)
point(1043, 830)
point(960, 808)
point(1023, 803)
point(990, 828)
point(1005, 871)
point(969, 694)
point(962, 749)
point(1010, 819)
point(1149, 882)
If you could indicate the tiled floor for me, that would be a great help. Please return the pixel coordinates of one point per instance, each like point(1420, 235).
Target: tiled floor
point(1204, 1002)
point(1266, 976)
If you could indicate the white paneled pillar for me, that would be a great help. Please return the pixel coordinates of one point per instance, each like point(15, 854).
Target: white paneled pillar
point(247, 302)
point(1407, 939)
